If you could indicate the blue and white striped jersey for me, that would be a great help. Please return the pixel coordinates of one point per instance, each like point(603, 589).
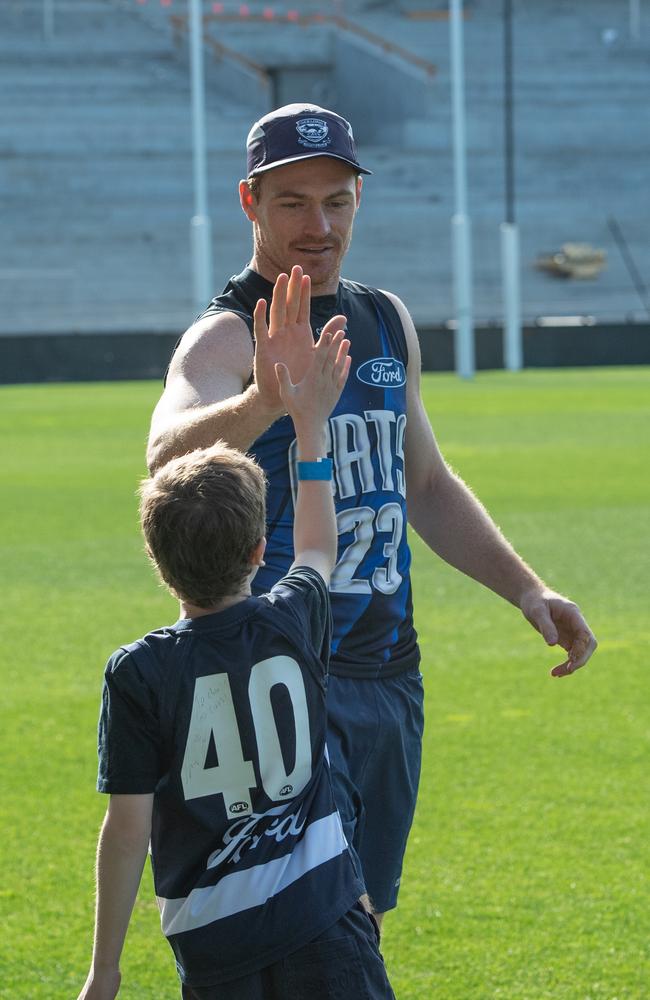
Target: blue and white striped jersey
point(223, 718)
point(370, 588)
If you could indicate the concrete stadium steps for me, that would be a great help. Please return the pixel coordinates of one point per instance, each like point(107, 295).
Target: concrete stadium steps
point(96, 174)
point(144, 132)
point(96, 178)
point(100, 25)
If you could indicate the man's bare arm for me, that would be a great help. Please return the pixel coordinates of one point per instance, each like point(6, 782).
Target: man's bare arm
point(205, 399)
point(457, 527)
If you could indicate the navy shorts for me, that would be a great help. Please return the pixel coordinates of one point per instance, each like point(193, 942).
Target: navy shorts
point(374, 741)
point(343, 963)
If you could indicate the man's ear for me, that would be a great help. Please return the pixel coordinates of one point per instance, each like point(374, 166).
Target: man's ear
point(247, 201)
point(359, 186)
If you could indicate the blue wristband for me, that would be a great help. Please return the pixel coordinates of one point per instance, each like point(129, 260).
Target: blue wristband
point(320, 469)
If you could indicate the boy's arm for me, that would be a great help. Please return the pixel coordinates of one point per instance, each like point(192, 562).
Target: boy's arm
point(309, 404)
point(121, 854)
point(314, 527)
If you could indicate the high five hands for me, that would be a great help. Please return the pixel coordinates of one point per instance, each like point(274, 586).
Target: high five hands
point(314, 397)
point(287, 338)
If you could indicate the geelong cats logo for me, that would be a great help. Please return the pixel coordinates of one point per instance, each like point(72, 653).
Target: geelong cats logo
point(313, 133)
point(382, 372)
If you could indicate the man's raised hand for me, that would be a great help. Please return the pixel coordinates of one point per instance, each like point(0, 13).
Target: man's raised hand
point(287, 338)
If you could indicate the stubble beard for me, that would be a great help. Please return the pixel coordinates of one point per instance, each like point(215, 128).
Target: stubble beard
point(270, 261)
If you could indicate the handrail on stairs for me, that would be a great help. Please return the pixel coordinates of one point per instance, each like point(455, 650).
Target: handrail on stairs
point(180, 22)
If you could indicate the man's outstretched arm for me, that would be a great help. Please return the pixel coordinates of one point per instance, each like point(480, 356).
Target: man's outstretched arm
point(206, 398)
point(457, 527)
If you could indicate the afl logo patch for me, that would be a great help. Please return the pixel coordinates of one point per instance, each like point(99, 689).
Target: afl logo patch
point(313, 132)
point(238, 807)
point(385, 373)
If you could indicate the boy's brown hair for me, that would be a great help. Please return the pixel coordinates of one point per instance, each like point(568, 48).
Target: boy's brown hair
point(202, 515)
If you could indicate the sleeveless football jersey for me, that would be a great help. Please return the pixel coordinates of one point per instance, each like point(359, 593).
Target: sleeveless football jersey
point(370, 588)
point(223, 718)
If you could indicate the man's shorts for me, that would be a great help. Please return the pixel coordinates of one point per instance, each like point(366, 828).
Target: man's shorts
point(343, 963)
point(374, 741)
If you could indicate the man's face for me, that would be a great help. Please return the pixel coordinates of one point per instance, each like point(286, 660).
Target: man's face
point(304, 215)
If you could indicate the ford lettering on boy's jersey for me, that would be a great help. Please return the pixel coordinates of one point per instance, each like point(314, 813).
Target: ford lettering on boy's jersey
point(370, 587)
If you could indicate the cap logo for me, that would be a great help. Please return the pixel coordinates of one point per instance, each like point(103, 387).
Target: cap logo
point(313, 132)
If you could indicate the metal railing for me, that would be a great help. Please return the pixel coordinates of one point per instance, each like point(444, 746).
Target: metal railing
point(180, 23)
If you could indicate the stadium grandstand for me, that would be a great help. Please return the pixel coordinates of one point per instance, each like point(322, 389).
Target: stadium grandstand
point(97, 164)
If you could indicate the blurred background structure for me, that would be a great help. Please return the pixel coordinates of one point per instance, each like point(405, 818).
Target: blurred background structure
point(96, 167)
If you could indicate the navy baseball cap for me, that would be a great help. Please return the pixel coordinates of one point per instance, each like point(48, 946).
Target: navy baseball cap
point(299, 132)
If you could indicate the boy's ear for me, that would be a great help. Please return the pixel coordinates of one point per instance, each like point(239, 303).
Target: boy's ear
point(247, 201)
point(257, 555)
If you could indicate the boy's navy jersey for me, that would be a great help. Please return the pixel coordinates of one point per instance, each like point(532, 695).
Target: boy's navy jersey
point(370, 587)
point(223, 718)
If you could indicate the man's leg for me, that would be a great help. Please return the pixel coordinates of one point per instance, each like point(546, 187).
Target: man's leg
point(375, 745)
point(389, 786)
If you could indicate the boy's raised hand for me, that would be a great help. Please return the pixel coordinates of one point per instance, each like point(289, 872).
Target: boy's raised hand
point(287, 337)
point(310, 401)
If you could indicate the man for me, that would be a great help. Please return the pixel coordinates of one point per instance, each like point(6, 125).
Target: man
point(302, 192)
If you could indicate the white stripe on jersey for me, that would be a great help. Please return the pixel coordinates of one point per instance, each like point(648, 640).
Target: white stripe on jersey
point(323, 840)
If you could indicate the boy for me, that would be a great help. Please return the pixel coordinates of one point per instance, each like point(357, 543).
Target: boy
point(212, 732)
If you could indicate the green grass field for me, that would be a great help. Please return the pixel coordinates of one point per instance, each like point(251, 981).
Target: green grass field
point(527, 869)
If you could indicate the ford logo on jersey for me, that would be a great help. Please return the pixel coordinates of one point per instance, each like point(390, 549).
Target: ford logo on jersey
point(382, 372)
